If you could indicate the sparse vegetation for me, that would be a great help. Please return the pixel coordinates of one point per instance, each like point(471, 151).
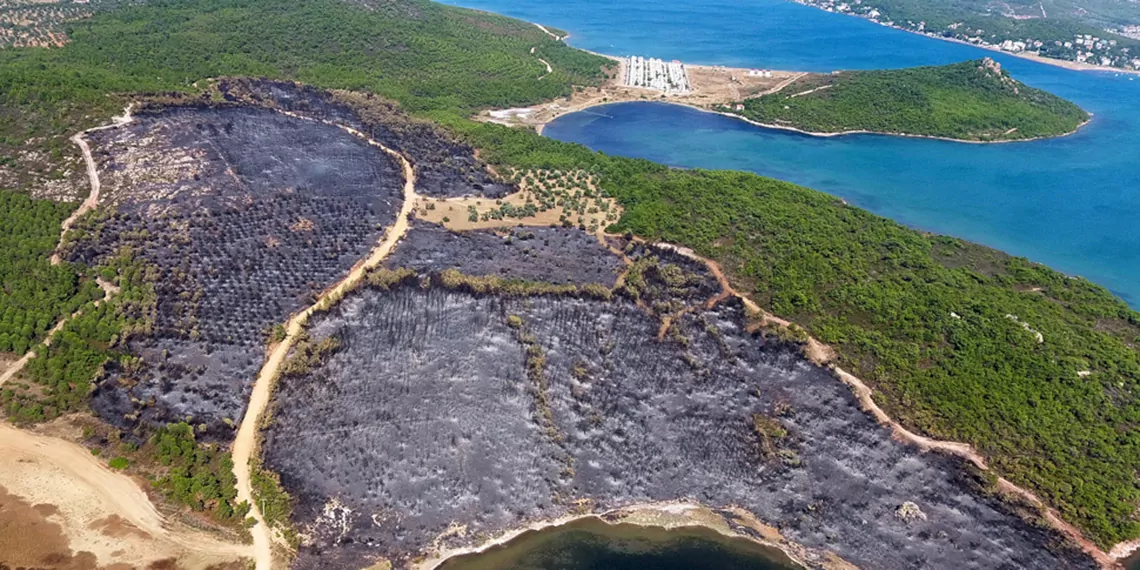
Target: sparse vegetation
point(274, 502)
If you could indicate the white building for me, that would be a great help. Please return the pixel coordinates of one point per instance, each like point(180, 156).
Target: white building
point(667, 77)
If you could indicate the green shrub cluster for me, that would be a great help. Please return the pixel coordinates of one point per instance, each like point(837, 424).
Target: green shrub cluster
point(62, 374)
point(198, 476)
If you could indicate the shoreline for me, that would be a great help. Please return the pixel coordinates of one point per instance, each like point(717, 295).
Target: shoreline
point(577, 109)
point(887, 134)
point(667, 515)
point(650, 95)
point(1031, 56)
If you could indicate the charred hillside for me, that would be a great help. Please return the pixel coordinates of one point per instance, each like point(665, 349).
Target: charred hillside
point(446, 404)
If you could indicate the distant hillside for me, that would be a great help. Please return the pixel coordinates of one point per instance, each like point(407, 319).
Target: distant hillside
point(1099, 32)
point(973, 101)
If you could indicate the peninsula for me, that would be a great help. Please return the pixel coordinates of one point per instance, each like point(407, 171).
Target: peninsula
point(971, 101)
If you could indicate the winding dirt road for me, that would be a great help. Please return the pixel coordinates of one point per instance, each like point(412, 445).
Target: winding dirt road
point(246, 442)
point(92, 176)
point(98, 510)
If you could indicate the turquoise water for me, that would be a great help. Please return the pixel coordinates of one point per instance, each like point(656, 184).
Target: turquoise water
point(1072, 203)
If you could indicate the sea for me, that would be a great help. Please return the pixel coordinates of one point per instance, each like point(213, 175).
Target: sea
point(1072, 203)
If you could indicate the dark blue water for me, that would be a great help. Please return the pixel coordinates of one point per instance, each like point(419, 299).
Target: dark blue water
point(1072, 203)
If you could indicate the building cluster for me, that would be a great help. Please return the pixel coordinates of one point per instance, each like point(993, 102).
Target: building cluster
point(668, 77)
point(1084, 48)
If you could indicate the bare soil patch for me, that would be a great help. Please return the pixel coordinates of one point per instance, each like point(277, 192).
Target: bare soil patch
point(62, 508)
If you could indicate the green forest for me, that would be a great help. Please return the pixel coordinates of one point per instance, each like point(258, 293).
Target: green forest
point(946, 331)
point(36, 294)
point(966, 101)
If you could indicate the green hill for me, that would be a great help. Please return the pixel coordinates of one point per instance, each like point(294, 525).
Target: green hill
point(972, 100)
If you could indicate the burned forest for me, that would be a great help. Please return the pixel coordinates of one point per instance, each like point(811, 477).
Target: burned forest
point(487, 403)
point(485, 379)
point(249, 201)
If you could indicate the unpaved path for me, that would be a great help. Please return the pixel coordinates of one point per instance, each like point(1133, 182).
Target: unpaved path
point(245, 444)
point(92, 175)
point(549, 69)
point(14, 368)
point(550, 33)
point(99, 510)
point(825, 356)
point(810, 91)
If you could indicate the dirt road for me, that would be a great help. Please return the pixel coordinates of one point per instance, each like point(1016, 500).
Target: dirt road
point(92, 175)
point(245, 444)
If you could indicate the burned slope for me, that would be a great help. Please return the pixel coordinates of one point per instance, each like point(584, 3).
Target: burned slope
point(247, 214)
point(445, 167)
point(551, 254)
point(445, 407)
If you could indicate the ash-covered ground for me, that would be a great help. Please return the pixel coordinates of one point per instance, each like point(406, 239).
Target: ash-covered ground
point(445, 167)
point(550, 254)
point(443, 407)
point(247, 214)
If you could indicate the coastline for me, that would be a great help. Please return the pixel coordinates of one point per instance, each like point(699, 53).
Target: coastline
point(709, 91)
point(1062, 63)
point(883, 133)
point(540, 127)
point(668, 515)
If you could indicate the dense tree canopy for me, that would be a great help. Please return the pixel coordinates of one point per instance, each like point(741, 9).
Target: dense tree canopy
point(35, 293)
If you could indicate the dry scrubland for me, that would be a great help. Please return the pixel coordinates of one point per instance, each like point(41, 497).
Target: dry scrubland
point(446, 401)
point(544, 198)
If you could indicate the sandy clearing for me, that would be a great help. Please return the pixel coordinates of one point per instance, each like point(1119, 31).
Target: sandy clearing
point(98, 510)
point(457, 210)
point(246, 442)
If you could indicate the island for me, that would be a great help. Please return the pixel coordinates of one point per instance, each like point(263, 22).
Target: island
point(282, 266)
point(969, 101)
